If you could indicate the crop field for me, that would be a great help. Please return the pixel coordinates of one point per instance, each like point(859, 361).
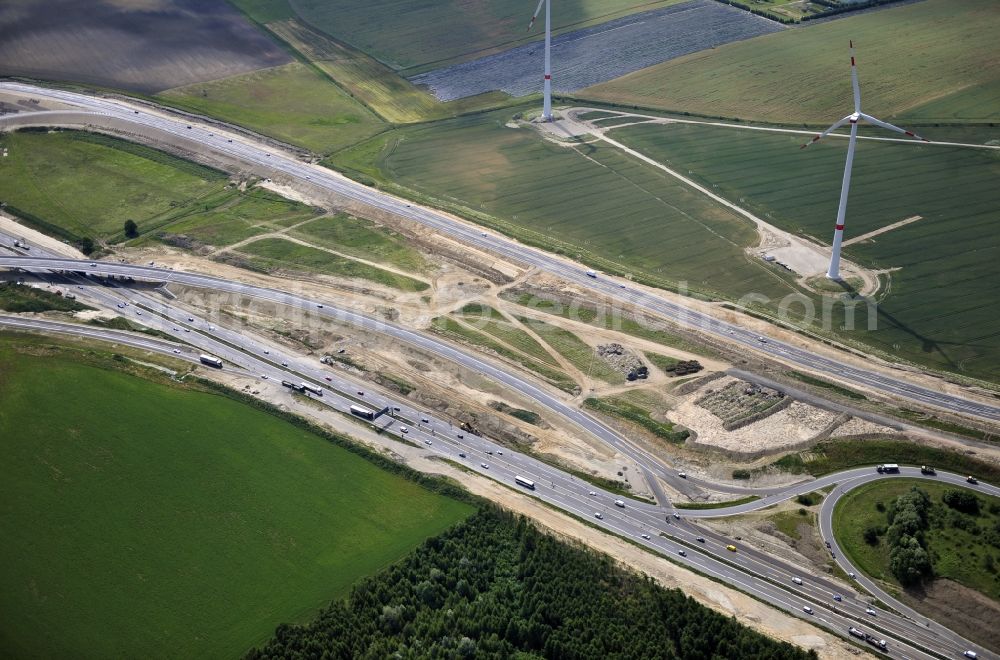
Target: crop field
point(591, 202)
point(958, 552)
point(151, 520)
point(238, 216)
point(292, 103)
point(941, 302)
point(803, 75)
point(405, 34)
point(77, 184)
point(364, 239)
point(580, 58)
point(280, 254)
point(131, 44)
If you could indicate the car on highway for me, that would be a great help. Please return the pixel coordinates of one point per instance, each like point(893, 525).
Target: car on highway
point(971, 654)
point(121, 306)
point(592, 493)
point(677, 516)
point(731, 548)
point(427, 441)
point(645, 536)
point(682, 553)
point(870, 611)
point(319, 305)
point(403, 429)
point(177, 350)
point(700, 539)
point(360, 393)
point(484, 466)
point(762, 340)
point(460, 436)
point(263, 376)
point(328, 379)
point(972, 480)
point(139, 312)
point(682, 475)
point(461, 454)
point(93, 265)
point(838, 598)
point(499, 452)
point(489, 451)
point(797, 580)
point(807, 609)
point(852, 576)
point(599, 515)
point(425, 420)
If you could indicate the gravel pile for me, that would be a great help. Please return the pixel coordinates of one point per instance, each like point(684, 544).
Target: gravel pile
point(622, 361)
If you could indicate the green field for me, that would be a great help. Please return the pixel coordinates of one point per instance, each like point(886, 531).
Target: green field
point(624, 409)
point(590, 202)
point(926, 61)
point(486, 319)
point(280, 254)
point(835, 455)
point(364, 239)
point(963, 547)
point(942, 299)
point(147, 519)
point(580, 354)
point(21, 298)
point(449, 327)
point(72, 184)
point(292, 103)
point(233, 216)
point(412, 33)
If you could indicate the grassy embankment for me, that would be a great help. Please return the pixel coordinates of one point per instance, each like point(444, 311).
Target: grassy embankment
point(192, 532)
point(834, 455)
point(20, 299)
point(958, 543)
point(938, 306)
point(801, 75)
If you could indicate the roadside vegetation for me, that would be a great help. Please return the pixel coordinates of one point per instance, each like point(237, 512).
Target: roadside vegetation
point(216, 521)
point(75, 185)
point(448, 326)
point(834, 455)
point(358, 237)
point(630, 412)
point(494, 586)
point(801, 75)
point(293, 103)
point(716, 505)
point(275, 254)
point(21, 298)
point(908, 532)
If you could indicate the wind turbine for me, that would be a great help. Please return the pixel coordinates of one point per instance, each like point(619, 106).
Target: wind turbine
point(547, 90)
point(838, 235)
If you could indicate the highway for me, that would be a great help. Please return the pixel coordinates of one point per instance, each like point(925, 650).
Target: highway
point(767, 578)
point(235, 146)
point(764, 577)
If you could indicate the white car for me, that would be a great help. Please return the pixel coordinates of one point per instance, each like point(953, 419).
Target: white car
point(971, 654)
point(852, 576)
point(599, 515)
point(403, 429)
point(592, 493)
point(762, 340)
point(807, 609)
point(484, 466)
point(870, 611)
point(677, 516)
point(645, 536)
point(682, 475)
point(177, 350)
point(682, 553)
point(797, 580)
point(263, 376)
point(427, 442)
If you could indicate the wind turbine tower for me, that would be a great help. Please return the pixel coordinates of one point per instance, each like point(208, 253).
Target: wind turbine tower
point(547, 88)
point(838, 234)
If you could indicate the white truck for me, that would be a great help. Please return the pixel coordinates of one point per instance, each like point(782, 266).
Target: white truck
point(210, 360)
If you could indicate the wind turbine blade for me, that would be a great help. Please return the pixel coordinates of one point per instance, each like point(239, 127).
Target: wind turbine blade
point(854, 82)
point(827, 131)
point(884, 124)
point(534, 16)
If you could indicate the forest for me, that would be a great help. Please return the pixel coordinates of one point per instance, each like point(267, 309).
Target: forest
point(495, 586)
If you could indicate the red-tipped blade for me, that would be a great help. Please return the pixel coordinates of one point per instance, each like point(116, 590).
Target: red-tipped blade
point(538, 9)
point(885, 124)
point(822, 135)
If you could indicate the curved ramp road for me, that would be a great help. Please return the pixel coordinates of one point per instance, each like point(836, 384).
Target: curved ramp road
point(234, 146)
point(765, 577)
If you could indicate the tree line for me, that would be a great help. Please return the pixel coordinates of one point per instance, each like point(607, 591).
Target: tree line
point(495, 586)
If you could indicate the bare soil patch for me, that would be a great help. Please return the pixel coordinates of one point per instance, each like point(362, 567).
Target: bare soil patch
point(138, 45)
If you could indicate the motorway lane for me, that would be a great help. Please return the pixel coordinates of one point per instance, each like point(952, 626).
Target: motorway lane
point(428, 343)
point(845, 486)
point(770, 581)
point(233, 145)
